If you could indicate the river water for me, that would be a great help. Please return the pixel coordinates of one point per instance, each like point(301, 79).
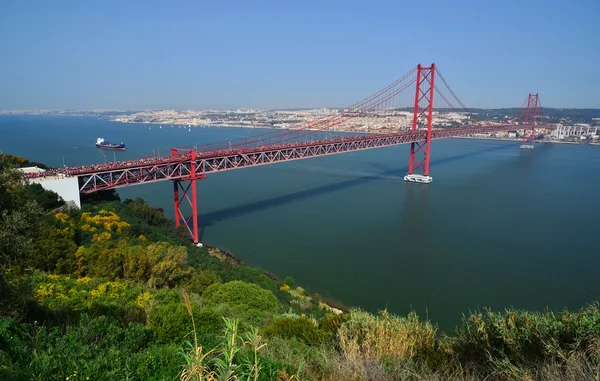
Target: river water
point(498, 226)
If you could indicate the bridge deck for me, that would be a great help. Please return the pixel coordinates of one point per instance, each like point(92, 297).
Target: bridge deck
point(121, 174)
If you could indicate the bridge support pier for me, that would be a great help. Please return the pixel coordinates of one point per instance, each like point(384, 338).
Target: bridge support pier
point(419, 151)
point(188, 193)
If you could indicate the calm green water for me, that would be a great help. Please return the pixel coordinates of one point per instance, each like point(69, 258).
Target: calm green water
point(498, 227)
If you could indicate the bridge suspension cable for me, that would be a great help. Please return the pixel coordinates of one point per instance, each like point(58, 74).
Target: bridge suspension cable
point(323, 124)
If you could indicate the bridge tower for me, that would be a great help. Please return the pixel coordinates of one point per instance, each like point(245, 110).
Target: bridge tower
point(533, 101)
point(183, 191)
point(423, 111)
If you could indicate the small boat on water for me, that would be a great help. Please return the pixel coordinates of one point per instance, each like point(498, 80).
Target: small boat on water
point(101, 143)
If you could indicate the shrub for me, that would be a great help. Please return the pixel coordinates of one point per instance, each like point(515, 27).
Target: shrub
point(171, 323)
point(159, 264)
point(255, 276)
point(200, 280)
point(61, 299)
point(289, 281)
point(157, 363)
point(302, 328)
point(94, 348)
point(165, 295)
point(240, 294)
point(331, 323)
point(295, 357)
point(16, 294)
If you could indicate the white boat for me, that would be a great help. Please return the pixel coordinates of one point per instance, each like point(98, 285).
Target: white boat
point(527, 146)
point(414, 178)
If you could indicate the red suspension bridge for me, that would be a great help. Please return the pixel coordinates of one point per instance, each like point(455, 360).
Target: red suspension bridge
point(415, 91)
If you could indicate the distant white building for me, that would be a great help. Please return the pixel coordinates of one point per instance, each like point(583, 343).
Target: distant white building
point(577, 130)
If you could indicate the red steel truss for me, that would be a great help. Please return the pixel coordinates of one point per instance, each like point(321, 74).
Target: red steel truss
point(183, 167)
point(191, 166)
point(532, 109)
point(423, 109)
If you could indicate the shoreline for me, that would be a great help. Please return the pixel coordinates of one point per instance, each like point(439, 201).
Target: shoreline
point(518, 140)
point(486, 138)
point(226, 256)
point(560, 142)
point(340, 131)
point(251, 127)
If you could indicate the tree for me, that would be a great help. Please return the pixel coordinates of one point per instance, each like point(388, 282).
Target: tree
point(166, 264)
point(10, 180)
point(19, 217)
point(97, 197)
point(54, 249)
point(21, 162)
point(47, 199)
point(153, 216)
point(19, 221)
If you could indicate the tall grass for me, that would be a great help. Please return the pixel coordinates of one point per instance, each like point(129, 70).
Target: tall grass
point(385, 336)
point(196, 360)
point(222, 364)
point(520, 343)
point(253, 367)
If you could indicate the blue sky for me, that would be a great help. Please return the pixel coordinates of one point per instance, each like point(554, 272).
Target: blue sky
point(283, 54)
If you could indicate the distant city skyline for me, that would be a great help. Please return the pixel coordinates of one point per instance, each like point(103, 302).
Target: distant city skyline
point(146, 55)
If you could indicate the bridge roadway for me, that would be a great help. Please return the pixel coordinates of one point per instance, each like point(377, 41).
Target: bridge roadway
point(104, 176)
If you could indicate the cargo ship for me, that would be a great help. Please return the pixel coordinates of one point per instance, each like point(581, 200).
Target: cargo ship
point(100, 143)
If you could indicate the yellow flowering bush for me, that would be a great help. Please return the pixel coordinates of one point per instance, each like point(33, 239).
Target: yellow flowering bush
point(102, 237)
point(65, 227)
point(87, 294)
point(88, 228)
point(113, 290)
point(143, 301)
point(83, 280)
point(108, 220)
point(62, 217)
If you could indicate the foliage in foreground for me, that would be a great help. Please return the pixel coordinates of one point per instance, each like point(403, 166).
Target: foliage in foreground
point(99, 294)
